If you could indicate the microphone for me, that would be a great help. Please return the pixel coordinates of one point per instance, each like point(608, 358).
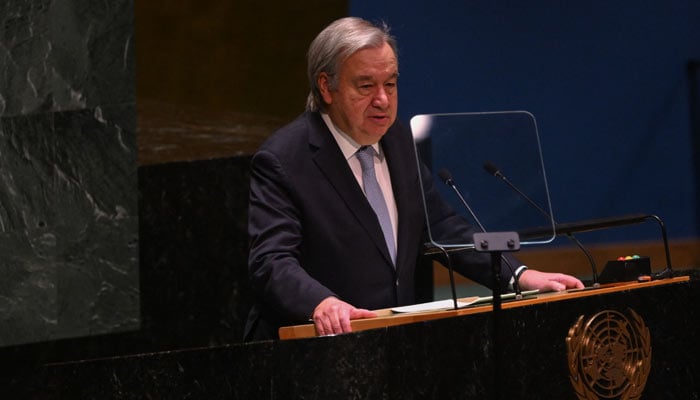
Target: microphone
point(446, 178)
point(495, 171)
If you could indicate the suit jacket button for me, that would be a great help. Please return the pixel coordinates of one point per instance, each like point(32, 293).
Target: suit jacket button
point(397, 283)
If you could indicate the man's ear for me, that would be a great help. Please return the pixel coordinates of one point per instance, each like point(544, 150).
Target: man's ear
point(324, 87)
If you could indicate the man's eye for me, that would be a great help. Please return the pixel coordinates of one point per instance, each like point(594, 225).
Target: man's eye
point(365, 89)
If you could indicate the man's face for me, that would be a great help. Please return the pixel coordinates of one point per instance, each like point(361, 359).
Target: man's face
point(364, 104)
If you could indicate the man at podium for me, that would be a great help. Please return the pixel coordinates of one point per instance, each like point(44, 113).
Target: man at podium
point(336, 217)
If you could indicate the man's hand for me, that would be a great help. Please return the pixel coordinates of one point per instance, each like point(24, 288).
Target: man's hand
point(548, 281)
point(332, 316)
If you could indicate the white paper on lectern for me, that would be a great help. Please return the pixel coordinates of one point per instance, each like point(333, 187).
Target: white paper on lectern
point(449, 303)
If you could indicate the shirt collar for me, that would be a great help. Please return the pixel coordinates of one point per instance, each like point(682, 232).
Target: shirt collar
point(347, 145)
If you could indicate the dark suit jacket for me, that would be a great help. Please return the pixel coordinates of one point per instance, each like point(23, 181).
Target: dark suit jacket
point(313, 234)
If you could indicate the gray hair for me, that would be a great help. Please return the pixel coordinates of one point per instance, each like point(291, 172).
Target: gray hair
point(334, 45)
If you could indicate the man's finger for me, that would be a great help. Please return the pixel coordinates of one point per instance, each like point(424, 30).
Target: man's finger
point(358, 313)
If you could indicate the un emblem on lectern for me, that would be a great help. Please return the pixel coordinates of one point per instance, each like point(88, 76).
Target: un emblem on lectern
point(609, 356)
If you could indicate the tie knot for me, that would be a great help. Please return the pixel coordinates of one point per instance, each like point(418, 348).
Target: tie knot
point(366, 156)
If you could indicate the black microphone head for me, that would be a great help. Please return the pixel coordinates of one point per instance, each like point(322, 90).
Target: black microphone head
point(445, 175)
point(491, 169)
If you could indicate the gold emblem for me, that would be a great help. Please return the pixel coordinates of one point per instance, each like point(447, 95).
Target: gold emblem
point(609, 356)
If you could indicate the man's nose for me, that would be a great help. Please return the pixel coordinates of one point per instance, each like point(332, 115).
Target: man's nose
point(381, 98)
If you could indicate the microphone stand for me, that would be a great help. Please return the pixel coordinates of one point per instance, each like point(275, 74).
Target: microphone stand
point(493, 170)
point(496, 243)
point(591, 261)
point(450, 271)
point(668, 271)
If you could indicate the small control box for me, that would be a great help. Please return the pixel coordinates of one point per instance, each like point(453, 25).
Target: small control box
point(625, 269)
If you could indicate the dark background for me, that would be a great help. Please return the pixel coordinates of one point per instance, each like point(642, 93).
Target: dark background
point(613, 86)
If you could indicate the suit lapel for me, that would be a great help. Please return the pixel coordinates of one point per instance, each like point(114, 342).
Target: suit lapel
point(330, 160)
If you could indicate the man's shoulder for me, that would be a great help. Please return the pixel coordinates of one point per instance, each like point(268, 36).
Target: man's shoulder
point(294, 133)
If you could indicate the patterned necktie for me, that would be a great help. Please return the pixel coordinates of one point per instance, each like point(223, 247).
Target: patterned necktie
point(375, 197)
